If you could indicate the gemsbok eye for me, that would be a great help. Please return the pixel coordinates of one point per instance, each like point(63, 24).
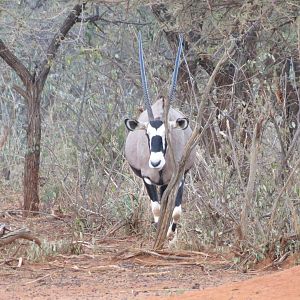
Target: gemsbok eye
point(146, 148)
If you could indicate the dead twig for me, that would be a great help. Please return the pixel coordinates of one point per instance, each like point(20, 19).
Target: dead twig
point(167, 256)
point(171, 264)
point(183, 253)
point(22, 233)
point(249, 192)
point(188, 257)
point(3, 138)
point(279, 197)
point(277, 262)
point(20, 211)
point(97, 268)
point(115, 228)
point(38, 279)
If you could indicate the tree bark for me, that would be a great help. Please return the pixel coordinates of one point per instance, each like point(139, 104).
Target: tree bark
point(32, 155)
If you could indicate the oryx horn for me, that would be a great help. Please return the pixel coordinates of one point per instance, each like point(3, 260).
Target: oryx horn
point(144, 80)
point(176, 68)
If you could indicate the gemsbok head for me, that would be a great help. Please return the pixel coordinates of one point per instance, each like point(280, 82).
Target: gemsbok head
point(146, 147)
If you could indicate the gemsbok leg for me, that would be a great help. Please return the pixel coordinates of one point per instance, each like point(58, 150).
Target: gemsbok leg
point(176, 211)
point(152, 192)
point(162, 188)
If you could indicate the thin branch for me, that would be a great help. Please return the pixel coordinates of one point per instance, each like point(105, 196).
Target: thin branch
point(249, 192)
point(56, 42)
point(96, 18)
point(15, 64)
point(21, 91)
point(279, 197)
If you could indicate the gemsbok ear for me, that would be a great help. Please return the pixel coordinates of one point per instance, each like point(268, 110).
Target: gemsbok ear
point(180, 123)
point(132, 124)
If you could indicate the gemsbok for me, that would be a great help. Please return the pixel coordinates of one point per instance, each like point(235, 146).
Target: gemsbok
point(146, 148)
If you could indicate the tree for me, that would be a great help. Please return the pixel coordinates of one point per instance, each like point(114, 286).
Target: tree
point(32, 92)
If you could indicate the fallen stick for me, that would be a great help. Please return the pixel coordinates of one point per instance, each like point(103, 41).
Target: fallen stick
point(22, 233)
point(38, 279)
point(277, 262)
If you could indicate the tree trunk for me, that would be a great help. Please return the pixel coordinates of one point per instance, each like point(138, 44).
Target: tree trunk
point(32, 155)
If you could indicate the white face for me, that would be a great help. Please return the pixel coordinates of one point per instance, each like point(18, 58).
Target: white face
point(156, 133)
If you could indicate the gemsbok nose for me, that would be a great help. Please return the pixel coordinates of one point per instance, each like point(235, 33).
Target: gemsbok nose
point(155, 164)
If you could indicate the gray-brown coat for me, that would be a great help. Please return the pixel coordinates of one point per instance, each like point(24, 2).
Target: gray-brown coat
point(148, 154)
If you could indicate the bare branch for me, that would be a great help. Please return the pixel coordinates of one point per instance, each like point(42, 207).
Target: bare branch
point(21, 91)
point(279, 197)
point(249, 192)
point(98, 17)
point(56, 42)
point(15, 64)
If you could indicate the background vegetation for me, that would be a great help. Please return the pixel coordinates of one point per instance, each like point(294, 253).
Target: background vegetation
point(244, 191)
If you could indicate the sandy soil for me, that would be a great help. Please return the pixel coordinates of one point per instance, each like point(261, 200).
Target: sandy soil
point(122, 268)
point(278, 286)
point(120, 273)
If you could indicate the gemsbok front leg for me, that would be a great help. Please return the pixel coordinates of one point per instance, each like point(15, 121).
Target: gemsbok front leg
point(176, 212)
point(152, 192)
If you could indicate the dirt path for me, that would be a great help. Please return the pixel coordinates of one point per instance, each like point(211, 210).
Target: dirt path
point(120, 273)
point(116, 273)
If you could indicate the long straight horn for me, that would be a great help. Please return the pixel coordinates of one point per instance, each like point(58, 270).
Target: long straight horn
point(144, 80)
point(176, 68)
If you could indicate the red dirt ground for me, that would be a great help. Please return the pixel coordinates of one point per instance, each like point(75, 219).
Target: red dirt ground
point(278, 286)
point(120, 273)
point(121, 268)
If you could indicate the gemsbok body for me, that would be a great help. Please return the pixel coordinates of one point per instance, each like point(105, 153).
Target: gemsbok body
point(147, 150)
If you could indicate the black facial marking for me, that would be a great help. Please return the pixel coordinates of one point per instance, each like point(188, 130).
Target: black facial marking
point(156, 144)
point(156, 123)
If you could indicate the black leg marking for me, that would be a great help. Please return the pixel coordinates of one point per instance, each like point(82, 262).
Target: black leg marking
point(174, 227)
point(179, 194)
point(162, 190)
point(177, 211)
point(151, 190)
